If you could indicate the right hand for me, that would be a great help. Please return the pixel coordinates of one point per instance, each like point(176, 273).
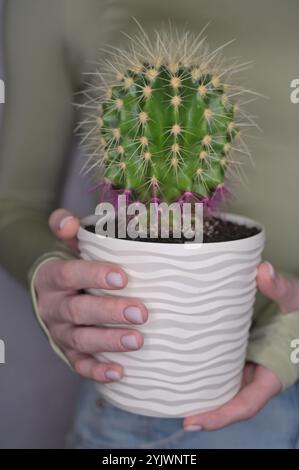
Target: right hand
point(73, 318)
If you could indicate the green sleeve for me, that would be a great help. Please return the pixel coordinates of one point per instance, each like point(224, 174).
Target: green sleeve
point(36, 132)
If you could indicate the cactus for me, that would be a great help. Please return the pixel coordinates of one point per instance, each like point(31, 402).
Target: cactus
point(162, 123)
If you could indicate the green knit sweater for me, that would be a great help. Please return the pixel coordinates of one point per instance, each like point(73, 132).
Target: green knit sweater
point(49, 44)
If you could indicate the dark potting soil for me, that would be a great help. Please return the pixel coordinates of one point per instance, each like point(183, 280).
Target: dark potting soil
point(215, 230)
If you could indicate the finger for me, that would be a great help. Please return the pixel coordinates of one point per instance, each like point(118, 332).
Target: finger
point(283, 291)
point(65, 226)
point(81, 274)
point(90, 340)
point(245, 405)
point(90, 368)
point(87, 309)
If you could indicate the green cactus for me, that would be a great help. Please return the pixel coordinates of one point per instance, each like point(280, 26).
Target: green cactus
point(165, 123)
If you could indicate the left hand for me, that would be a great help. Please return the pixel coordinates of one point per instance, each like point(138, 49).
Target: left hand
point(259, 384)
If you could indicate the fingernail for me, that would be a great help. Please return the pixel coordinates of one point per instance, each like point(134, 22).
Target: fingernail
point(133, 314)
point(114, 279)
point(129, 342)
point(64, 221)
point(113, 375)
point(193, 427)
point(271, 270)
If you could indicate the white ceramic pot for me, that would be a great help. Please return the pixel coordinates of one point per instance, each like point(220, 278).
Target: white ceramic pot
point(200, 299)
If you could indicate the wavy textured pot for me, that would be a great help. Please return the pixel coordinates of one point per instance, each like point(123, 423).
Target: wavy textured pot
point(200, 299)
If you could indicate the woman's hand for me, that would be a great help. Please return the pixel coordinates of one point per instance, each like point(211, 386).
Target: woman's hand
point(259, 384)
point(73, 318)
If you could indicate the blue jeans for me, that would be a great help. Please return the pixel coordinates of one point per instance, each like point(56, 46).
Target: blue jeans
point(100, 425)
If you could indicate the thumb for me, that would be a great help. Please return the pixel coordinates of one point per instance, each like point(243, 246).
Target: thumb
point(65, 226)
point(280, 289)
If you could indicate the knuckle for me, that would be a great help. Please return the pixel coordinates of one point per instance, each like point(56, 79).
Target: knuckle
point(77, 339)
point(65, 273)
point(75, 309)
point(114, 309)
point(115, 317)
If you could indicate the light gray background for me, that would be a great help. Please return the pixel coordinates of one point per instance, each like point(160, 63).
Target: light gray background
point(37, 391)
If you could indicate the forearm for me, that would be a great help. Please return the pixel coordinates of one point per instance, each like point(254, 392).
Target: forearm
point(24, 238)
